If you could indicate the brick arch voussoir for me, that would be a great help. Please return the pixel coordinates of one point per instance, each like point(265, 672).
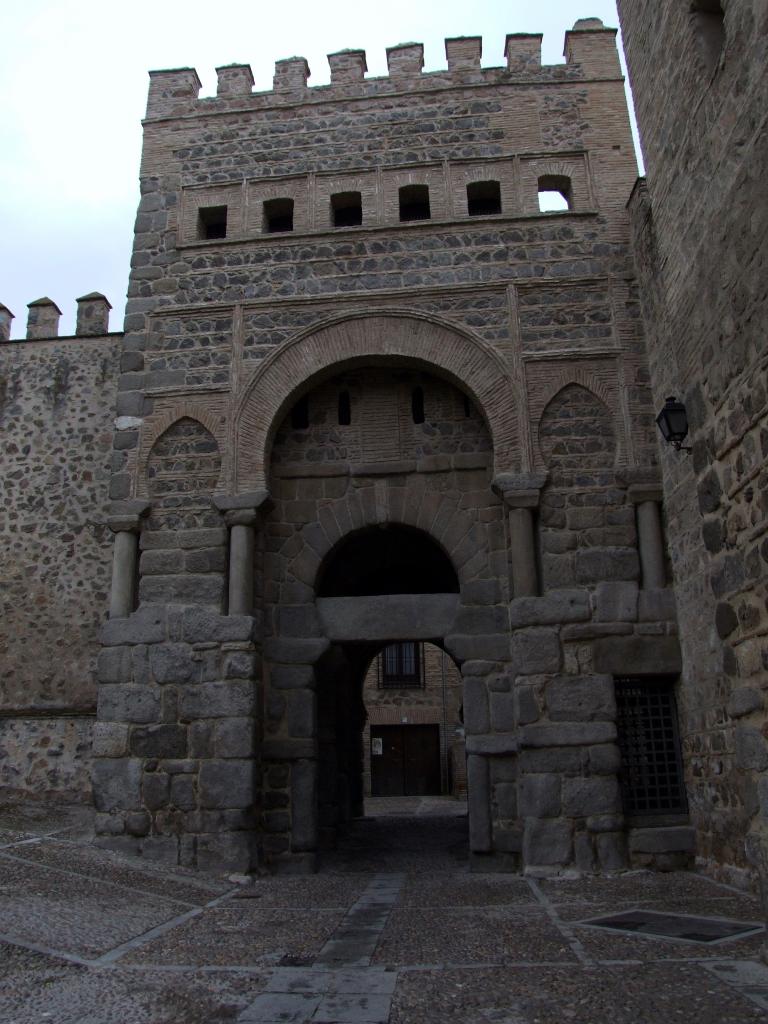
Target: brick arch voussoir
point(317, 548)
point(156, 425)
point(323, 350)
point(589, 382)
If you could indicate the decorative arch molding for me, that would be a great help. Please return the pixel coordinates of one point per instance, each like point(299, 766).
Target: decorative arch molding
point(377, 337)
point(609, 396)
point(460, 537)
point(214, 421)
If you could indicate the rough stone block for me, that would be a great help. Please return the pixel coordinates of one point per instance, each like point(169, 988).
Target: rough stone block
point(292, 677)
point(110, 739)
point(240, 665)
point(159, 741)
point(584, 797)
point(596, 564)
point(161, 850)
point(304, 805)
point(226, 784)
point(137, 823)
point(584, 852)
point(604, 759)
point(295, 651)
point(184, 589)
point(114, 665)
point(492, 744)
point(540, 796)
point(217, 700)
point(567, 734)
point(147, 625)
point(226, 852)
point(302, 713)
point(581, 698)
point(546, 842)
point(656, 606)
point(173, 663)
point(553, 759)
point(117, 784)
point(476, 713)
point(183, 792)
point(612, 851)
point(527, 708)
point(478, 783)
point(203, 625)
point(482, 648)
point(616, 602)
point(129, 704)
point(155, 789)
point(671, 839)
point(502, 707)
point(535, 650)
point(743, 701)
point(161, 561)
point(505, 798)
point(481, 619)
point(234, 737)
point(553, 607)
point(637, 655)
point(750, 748)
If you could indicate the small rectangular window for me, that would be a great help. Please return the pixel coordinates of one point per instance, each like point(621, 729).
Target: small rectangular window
point(278, 215)
point(414, 202)
point(651, 773)
point(212, 222)
point(401, 666)
point(346, 209)
point(483, 198)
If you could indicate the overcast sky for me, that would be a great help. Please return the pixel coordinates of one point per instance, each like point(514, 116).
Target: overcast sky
point(73, 77)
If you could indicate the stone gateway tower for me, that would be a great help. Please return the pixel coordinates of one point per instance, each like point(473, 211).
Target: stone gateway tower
point(375, 389)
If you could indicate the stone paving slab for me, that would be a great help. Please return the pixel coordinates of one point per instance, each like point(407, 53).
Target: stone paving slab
point(637, 994)
point(85, 861)
point(241, 936)
point(470, 936)
point(81, 916)
point(99, 943)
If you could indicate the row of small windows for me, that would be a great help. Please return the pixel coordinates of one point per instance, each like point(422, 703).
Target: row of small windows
point(300, 411)
point(483, 200)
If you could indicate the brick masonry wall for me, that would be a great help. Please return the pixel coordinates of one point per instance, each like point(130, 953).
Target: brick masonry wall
point(56, 422)
point(701, 229)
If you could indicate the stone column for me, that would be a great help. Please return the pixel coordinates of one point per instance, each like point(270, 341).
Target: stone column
point(520, 492)
point(242, 513)
point(650, 542)
point(125, 523)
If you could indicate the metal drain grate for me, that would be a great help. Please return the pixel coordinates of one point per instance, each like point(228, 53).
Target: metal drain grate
point(678, 927)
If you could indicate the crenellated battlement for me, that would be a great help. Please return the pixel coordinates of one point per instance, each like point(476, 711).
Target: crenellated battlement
point(590, 53)
point(43, 318)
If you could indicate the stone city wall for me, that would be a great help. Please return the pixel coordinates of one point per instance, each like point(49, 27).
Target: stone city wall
point(700, 225)
point(57, 421)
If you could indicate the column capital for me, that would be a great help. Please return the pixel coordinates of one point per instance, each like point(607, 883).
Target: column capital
point(126, 516)
point(253, 501)
point(519, 490)
point(643, 483)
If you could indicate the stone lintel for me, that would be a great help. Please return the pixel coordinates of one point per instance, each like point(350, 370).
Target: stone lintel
point(380, 617)
point(289, 749)
point(519, 490)
point(492, 743)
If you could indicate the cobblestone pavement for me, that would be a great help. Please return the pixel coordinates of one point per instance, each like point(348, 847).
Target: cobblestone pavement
point(392, 929)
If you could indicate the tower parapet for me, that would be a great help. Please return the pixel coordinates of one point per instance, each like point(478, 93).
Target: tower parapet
point(234, 80)
point(43, 319)
point(92, 315)
point(6, 319)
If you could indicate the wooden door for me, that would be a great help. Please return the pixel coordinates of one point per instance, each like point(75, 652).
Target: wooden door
point(409, 762)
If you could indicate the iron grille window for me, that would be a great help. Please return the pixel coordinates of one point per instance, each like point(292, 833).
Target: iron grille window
point(651, 774)
point(400, 666)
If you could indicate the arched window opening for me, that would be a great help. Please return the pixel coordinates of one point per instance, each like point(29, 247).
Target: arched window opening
point(345, 409)
point(483, 198)
point(555, 195)
point(708, 18)
point(300, 414)
point(346, 209)
point(417, 405)
point(414, 202)
point(387, 560)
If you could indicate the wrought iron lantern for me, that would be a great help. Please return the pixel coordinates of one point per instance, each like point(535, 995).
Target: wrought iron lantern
point(672, 421)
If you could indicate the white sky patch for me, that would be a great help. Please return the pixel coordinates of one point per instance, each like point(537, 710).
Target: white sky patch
point(74, 81)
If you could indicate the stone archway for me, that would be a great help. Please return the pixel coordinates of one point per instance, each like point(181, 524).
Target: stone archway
point(378, 338)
